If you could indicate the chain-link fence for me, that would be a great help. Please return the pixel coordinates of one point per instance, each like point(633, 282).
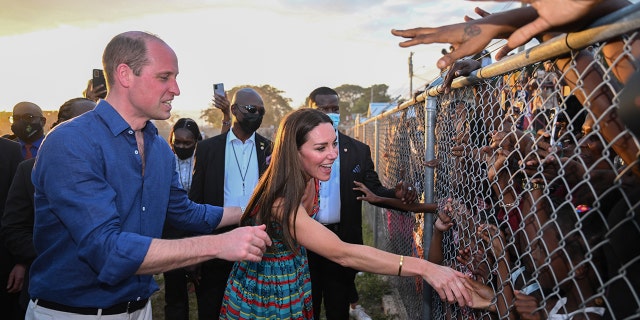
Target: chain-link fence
point(539, 177)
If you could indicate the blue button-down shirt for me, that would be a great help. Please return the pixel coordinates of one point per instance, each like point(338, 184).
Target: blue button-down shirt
point(96, 214)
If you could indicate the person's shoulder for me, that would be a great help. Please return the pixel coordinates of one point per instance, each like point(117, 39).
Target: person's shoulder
point(215, 139)
point(262, 139)
point(212, 143)
point(343, 138)
point(27, 165)
point(7, 144)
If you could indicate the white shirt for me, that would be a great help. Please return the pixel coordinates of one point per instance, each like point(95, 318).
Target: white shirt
point(329, 211)
point(185, 171)
point(240, 170)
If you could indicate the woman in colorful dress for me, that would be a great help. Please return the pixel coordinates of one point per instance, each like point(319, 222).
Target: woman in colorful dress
point(285, 200)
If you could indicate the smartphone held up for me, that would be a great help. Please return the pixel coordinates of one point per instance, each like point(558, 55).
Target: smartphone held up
point(218, 88)
point(98, 80)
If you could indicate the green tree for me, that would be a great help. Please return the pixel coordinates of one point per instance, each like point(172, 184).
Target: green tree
point(276, 106)
point(355, 99)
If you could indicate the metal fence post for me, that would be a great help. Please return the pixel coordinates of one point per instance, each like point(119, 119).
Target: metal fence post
point(429, 183)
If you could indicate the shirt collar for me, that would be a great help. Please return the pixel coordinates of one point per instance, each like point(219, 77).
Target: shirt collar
point(231, 137)
point(114, 120)
point(36, 143)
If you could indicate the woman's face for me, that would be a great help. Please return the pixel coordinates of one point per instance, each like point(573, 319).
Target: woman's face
point(319, 152)
point(183, 138)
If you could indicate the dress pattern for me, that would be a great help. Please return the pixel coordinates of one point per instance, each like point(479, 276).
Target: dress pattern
point(278, 287)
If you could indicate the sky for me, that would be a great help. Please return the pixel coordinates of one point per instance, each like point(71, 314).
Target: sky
point(49, 48)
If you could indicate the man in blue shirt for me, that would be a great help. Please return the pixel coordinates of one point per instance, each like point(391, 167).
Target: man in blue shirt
point(106, 183)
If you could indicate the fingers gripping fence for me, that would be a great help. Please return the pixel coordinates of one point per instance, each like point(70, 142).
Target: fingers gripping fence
point(539, 177)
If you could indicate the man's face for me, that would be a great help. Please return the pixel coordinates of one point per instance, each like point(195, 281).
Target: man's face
point(27, 121)
point(152, 92)
point(327, 103)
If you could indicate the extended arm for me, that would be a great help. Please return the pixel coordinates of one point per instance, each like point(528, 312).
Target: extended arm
point(447, 282)
point(392, 202)
point(246, 243)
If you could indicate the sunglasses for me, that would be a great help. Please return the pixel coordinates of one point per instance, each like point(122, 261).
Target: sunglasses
point(251, 109)
point(25, 117)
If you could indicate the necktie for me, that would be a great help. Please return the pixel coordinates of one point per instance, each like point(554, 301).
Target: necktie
point(28, 155)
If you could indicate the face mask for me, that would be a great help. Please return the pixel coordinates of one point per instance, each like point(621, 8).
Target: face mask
point(184, 153)
point(250, 122)
point(335, 117)
point(27, 131)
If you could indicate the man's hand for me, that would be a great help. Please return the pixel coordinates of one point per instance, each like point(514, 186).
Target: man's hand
point(222, 103)
point(16, 278)
point(245, 243)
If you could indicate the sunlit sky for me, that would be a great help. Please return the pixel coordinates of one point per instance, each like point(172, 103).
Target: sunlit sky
point(48, 48)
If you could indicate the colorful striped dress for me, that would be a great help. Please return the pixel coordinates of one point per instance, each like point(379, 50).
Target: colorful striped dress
point(278, 287)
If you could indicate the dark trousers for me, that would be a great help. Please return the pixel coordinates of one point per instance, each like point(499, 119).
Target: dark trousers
point(210, 291)
point(176, 296)
point(331, 285)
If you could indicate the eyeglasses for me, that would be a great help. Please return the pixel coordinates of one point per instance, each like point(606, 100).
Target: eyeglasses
point(25, 117)
point(252, 109)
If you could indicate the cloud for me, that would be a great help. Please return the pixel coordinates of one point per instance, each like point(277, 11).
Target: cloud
point(19, 17)
point(331, 6)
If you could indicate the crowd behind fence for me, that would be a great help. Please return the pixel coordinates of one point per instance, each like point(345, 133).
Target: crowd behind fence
point(537, 173)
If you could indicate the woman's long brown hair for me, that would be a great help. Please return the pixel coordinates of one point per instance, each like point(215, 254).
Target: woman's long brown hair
point(284, 179)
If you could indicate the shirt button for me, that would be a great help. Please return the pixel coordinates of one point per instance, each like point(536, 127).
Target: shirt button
point(130, 131)
point(144, 208)
point(136, 152)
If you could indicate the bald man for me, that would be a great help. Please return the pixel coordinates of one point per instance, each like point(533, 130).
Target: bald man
point(27, 124)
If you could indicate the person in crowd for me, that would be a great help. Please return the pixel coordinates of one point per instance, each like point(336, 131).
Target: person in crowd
point(27, 124)
point(10, 280)
point(227, 168)
point(340, 210)
point(17, 221)
point(286, 199)
point(105, 183)
point(183, 138)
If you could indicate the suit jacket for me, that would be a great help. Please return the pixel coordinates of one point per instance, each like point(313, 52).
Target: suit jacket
point(355, 165)
point(17, 221)
point(10, 157)
point(207, 185)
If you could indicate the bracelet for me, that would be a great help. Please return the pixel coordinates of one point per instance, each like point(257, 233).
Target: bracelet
point(400, 266)
point(226, 123)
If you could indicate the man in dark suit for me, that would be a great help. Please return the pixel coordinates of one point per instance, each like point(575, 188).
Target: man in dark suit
point(332, 283)
point(17, 221)
point(226, 170)
point(10, 157)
